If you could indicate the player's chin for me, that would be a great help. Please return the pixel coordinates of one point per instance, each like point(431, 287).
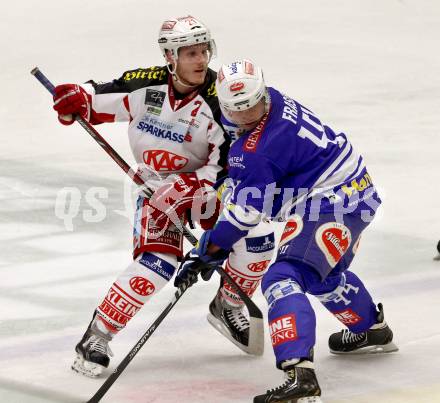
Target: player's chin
point(198, 77)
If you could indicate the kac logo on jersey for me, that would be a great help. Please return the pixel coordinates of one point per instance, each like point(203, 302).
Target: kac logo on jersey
point(164, 161)
point(260, 244)
point(257, 267)
point(142, 286)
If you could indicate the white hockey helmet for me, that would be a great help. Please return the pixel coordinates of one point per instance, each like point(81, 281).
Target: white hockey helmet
point(184, 31)
point(240, 85)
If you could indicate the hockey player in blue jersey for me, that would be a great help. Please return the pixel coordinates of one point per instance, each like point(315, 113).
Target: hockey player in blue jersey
point(288, 166)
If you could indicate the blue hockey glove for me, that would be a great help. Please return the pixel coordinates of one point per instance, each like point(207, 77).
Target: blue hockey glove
point(198, 261)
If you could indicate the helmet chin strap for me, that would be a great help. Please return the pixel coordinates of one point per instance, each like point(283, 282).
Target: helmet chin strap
point(177, 78)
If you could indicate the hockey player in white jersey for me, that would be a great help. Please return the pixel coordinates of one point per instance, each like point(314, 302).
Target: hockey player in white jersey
point(300, 171)
point(180, 146)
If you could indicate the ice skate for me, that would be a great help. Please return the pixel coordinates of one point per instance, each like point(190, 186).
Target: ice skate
point(301, 386)
point(93, 351)
point(377, 339)
point(230, 322)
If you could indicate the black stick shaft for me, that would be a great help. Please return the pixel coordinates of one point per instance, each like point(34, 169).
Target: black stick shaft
point(123, 364)
point(254, 311)
point(108, 148)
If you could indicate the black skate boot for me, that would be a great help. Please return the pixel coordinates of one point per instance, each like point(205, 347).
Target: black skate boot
point(230, 322)
point(377, 339)
point(301, 386)
point(93, 352)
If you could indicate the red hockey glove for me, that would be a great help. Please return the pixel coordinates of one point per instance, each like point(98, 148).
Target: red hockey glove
point(172, 199)
point(71, 99)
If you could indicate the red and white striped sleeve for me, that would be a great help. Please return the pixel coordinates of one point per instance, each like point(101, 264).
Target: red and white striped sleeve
point(109, 102)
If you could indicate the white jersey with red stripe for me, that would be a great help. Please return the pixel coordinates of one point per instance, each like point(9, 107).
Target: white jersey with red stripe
point(167, 134)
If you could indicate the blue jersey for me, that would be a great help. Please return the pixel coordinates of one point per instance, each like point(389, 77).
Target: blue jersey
point(291, 163)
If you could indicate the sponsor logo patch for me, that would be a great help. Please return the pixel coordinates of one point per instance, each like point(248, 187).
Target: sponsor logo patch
point(237, 86)
point(280, 290)
point(283, 329)
point(192, 122)
point(246, 282)
point(168, 25)
point(157, 265)
point(253, 139)
point(189, 19)
point(233, 68)
point(258, 267)
point(119, 307)
point(347, 317)
point(292, 229)
point(142, 74)
point(163, 161)
point(235, 161)
point(260, 244)
point(154, 98)
point(168, 241)
point(252, 142)
point(142, 286)
point(249, 68)
point(333, 239)
point(163, 130)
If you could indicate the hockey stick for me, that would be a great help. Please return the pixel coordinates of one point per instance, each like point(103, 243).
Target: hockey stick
point(107, 148)
point(256, 331)
point(123, 364)
point(254, 311)
point(256, 326)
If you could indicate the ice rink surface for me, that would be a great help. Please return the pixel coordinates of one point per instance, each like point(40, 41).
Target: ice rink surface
point(370, 68)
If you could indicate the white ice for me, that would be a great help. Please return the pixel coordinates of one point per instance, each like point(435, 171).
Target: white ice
point(371, 68)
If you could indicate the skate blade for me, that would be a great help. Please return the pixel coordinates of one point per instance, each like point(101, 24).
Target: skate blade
point(309, 399)
point(377, 349)
point(86, 368)
point(253, 349)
